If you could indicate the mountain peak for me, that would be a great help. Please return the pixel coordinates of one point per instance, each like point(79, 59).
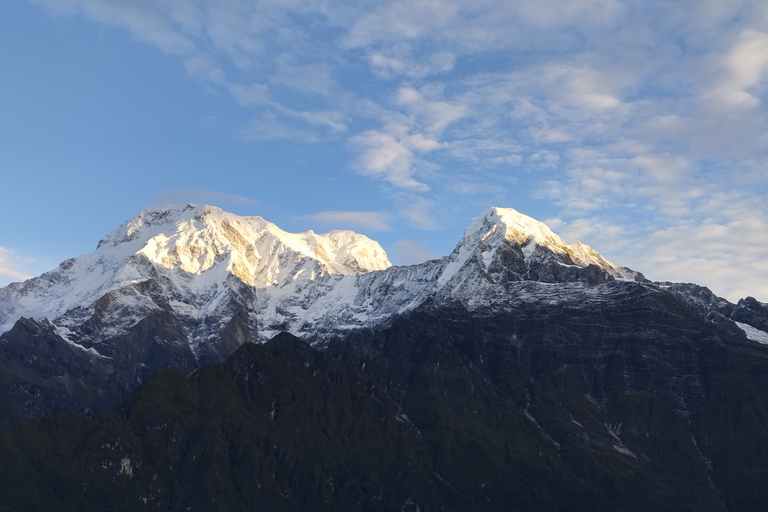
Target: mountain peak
point(535, 243)
point(498, 225)
point(193, 250)
point(514, 226)
point(194, 238)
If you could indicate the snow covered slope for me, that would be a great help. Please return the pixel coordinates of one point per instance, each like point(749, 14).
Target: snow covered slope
point(189, 259)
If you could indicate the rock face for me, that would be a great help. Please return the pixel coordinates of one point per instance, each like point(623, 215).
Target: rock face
point(183, 287)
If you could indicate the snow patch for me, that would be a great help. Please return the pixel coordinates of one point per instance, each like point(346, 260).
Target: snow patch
point(529, 248)
point(753, 333)
point(624, 451)
point(64, 333)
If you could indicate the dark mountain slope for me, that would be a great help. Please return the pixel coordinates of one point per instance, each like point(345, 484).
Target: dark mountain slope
point(629, 394)
point(278, 427)
point(631, 404)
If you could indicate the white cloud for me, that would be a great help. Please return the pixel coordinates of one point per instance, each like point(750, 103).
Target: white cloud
point(389, 67)
point(393, 156)
point(323, 118)
point(269, 126)
point(559, 12)
point(664, 168)
point(729, 257)
point(722, 244)
point(745, 67)
point(251, 94)
point(601, 235)
point(435, 115)
point(462, 188)
point(401, 20)
point(312, 78)
point(397, 152)
point(583, 87)
point(145, 22)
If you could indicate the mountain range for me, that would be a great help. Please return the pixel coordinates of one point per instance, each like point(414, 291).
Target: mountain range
point(304, 372)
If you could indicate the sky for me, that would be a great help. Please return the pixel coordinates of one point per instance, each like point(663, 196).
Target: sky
point(637, 127)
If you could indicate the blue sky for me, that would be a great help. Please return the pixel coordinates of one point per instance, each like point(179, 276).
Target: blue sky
point(639, 128)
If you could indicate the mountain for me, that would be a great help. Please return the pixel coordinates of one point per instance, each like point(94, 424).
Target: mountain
point(173, 287)
point(516, 373)
point(183, 287)
point(189, 261)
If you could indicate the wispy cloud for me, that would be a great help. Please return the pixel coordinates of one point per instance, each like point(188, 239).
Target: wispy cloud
point(409, 252)
point(731, 256)
point(744, 68)
point(373, 221)
point(721, 242)
point(419, 212)
point(269, 126)
point(10, 267)
point(390, 67)
point(150, 24)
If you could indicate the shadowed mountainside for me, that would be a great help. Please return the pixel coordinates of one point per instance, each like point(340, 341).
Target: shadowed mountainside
point(634, 405)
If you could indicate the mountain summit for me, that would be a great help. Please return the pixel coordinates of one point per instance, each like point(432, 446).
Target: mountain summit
point(197, 238)
point(193, 250)
point(508, 245)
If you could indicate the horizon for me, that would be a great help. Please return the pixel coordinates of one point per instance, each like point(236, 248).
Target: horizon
point(638, 130)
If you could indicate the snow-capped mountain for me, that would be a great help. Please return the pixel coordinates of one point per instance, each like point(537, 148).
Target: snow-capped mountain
point(188, 259)
point(192, 261)
point(185, 286)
